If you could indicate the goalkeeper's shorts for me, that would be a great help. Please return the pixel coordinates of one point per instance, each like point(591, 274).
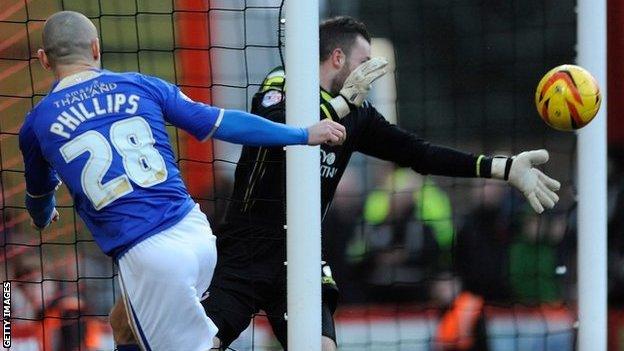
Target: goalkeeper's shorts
point(251, 276)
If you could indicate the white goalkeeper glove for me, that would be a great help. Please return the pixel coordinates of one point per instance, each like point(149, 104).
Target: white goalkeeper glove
point(519, 171)
point(357, 85)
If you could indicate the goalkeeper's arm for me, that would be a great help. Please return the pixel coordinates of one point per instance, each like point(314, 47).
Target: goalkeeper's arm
point(389, 142)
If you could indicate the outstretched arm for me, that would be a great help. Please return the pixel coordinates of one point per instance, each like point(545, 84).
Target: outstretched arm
point(389, 142)
point(205, 121)
point(244, 128)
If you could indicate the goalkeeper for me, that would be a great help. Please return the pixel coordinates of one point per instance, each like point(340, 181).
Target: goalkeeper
point(250, 273)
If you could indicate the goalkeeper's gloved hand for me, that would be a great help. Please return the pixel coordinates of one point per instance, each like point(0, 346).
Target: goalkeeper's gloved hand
point(357, 85)
point(520, 172)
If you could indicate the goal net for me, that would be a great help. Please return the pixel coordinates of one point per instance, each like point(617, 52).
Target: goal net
point(415, 257)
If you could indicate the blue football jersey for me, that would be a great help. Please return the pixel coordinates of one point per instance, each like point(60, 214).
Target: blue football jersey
point(105, 138)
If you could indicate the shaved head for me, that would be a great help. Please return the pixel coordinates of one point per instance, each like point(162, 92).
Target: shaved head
point(68, 38)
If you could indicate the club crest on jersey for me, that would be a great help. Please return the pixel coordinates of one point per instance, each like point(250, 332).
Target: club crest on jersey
point(328, 170)
point(271, 98)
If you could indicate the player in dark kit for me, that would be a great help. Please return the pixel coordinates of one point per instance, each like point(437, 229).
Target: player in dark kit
point(251, 273)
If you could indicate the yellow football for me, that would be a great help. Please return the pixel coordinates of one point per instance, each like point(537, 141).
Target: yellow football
point(568, 97)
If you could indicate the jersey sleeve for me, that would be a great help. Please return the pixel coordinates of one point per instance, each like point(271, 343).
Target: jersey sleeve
point(198, 119)
point(386, 141)
point(270, 103)
point(248, 129)
point(41, 178)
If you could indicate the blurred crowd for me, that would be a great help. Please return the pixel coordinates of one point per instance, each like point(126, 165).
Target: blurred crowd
point(60, 293)
point(405, 243)
point(50, 315)
point(616, 227)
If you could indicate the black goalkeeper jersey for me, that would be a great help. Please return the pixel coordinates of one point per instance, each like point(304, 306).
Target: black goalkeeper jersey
point(259, 195)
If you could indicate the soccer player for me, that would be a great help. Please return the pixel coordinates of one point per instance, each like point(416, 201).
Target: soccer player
point(103, 134)
point(251, 274)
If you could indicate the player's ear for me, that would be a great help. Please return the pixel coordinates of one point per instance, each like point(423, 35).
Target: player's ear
point(338, 58)
point(43, 59)
point(95, 49)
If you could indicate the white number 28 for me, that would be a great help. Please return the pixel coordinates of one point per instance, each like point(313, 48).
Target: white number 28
point(134, 141)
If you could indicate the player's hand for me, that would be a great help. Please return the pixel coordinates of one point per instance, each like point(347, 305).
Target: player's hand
point(538, 188)
point(326, 132)
point(54, 217)
point(357, 85)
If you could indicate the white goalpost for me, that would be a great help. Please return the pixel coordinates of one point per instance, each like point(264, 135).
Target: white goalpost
point(592, 184)
point(303, 184)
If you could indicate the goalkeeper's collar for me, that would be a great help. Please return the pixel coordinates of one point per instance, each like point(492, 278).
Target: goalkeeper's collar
point(325, 95)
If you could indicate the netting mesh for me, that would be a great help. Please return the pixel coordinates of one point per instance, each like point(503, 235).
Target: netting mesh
point(401, 246)
point(63, 287)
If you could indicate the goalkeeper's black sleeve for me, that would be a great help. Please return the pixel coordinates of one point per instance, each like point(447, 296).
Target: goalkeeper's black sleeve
point(389, 142)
